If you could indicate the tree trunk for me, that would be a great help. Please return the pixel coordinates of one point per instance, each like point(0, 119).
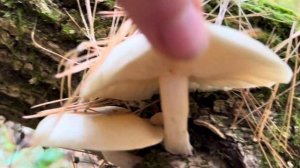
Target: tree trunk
point(26, 71)
point(27, 78)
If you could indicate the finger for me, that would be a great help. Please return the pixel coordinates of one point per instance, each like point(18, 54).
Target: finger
point(175, 27)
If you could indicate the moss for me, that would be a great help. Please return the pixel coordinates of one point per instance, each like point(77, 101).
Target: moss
point(272, 11)
point(109, 4)
point(69, 30)
point(275, 19)
point(296, 129)
point(264, 163)
point(48, 10)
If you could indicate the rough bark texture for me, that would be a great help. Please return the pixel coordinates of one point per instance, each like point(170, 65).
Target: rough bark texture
point(27, 72)
point(26, 79)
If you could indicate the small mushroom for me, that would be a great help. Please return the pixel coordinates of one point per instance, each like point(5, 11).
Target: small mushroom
point(122, 159)
point(135, 71)
point(112, 134)
point(157, 119)
point(97, 132)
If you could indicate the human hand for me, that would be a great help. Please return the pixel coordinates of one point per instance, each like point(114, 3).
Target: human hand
point(175, 27)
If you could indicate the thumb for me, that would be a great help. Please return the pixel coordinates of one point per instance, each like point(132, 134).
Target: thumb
point(175, 27)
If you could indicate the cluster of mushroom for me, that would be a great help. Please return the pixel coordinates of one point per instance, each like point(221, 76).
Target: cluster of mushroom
point(135, 71)
point(113, 131)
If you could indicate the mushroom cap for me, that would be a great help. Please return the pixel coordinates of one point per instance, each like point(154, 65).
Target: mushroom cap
point(157, 119)
point(114, 132)
point(231, 60)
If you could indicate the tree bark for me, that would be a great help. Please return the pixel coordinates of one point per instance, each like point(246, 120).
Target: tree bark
point(27, 78)
point(26, 71)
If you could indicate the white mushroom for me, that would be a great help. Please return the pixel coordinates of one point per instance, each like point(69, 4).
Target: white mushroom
point(135, 71)
point(112, 134)
point(97, 132)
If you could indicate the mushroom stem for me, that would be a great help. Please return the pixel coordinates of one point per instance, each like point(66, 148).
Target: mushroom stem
point(174, 102)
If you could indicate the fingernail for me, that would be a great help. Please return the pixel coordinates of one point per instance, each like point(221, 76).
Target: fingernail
point(185, 35)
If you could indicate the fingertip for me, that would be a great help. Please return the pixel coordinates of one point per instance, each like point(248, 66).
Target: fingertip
point(174, 27)
point(185, 36)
